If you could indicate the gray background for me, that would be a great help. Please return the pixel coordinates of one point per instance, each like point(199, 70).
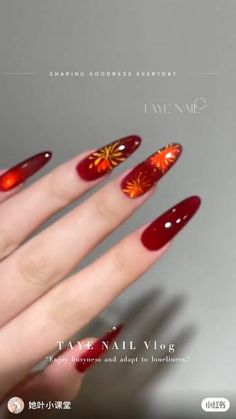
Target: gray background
point(189, 297)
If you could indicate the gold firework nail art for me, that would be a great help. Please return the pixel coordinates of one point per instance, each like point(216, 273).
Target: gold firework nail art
point(137, 186)
point(107, 157)
point(165, 157)
point(102, 161)
point(147, 173)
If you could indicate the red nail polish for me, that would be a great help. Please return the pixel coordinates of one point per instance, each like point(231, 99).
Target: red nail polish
point(98, 348)
point(150, 171)
point(105, 159)
point(165, 228)
point(22, 171)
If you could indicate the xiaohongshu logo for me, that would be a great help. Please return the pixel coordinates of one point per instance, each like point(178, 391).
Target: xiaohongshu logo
point(198, 105)
point(215, 404)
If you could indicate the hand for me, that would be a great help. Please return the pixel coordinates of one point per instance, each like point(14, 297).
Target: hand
point(38, 309)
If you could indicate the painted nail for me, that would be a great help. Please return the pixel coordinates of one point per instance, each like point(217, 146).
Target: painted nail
point(91, 355)
point(165, 228)
point(150, 171)
point(22, 171)
point(105, 159)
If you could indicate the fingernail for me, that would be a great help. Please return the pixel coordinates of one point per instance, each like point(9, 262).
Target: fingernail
point(165, 228)
point(105, 159)
point(22, 171)
point(91, 355)
point(150, 171)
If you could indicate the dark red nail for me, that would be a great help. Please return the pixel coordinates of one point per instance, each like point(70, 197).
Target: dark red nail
point(22, 171)
point(150, 171)
point(105, 159)
point(165, 228)
point(91, 355)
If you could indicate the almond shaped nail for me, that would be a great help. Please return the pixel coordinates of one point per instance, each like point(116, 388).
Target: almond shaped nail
point(105, 159)
point(146, 174)
point(22, 171)
point(165, 227)
point(89, 357)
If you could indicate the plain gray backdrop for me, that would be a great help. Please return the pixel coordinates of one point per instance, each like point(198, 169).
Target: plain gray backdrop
point(190, 295)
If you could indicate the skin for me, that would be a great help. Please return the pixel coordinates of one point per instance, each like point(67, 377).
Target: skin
point(35, 302)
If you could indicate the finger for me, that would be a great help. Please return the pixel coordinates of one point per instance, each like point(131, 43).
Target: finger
point(73, 303)
point(61, 380)
point(21, 215)
point(50, 256)
point(64, 375)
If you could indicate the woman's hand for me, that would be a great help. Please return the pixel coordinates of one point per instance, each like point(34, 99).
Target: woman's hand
point(37, 308)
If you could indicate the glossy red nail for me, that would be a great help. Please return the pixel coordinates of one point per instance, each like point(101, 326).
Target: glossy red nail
point(22, 171)
point(105, 159)
point(91, 355)
point(165, 228)
point(150, 171)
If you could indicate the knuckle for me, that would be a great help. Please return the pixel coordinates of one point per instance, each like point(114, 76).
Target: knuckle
point(63, 312)
point(107, 210)
point(60, 188)
point(67, 309)
point(6, 244)
point(122, 266)
point(36, 268)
